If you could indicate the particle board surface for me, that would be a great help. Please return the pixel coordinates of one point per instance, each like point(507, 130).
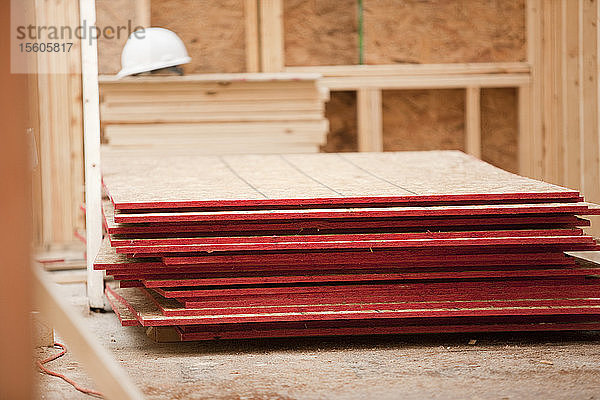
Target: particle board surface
point(354, 213)
point(148, 314)
point(561, 241)
point(275, 180)
point(148, 230)
point(118, 242)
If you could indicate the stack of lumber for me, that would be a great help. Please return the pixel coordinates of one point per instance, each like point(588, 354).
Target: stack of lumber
point(245, 246)
point(216, 113)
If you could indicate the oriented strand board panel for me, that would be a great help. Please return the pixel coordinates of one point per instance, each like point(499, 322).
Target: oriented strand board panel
point(149, 314)
point(113, 13)
point(500, 127)
point(561, 242)
point(136, 181)
point(444, 31)
point(117, 242)
point(321, 32)
point(213, 32)
point(340, 110)
point(423, 120)
point(350, 214)
point(435, 119)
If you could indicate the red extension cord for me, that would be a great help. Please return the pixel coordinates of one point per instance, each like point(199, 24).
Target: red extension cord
point(41, 363)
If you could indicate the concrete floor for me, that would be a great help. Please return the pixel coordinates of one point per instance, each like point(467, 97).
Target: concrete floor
point(497, 366)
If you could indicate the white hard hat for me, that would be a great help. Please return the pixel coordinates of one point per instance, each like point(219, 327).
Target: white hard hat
point(150, 49)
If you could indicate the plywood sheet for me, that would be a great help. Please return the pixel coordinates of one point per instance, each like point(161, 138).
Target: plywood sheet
point(562, 242)
point(136, 181)
point(457, 290)
point(366, 213)
point(172, 280)
point(148, 314)
point(324, 227)
point(383, 329)
point(375, 257)
point(166, 241)
point(170, 307)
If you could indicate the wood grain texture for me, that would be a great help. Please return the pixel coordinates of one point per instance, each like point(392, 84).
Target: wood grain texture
point(213, 32)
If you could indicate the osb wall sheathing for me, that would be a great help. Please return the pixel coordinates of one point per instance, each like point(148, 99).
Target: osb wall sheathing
point(213, 32)
point(113, 13)
point(415, 31)
point(340, 110)
point(444, 31)
point(320, 32)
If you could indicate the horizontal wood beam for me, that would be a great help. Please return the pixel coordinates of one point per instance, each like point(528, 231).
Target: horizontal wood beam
point(414, 69)
point(420, 76)
point(434, 81)
point(219, 78)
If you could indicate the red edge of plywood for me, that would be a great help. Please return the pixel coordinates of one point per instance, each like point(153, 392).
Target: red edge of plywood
point(575, 195)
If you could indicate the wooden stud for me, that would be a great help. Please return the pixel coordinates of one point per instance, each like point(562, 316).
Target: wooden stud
point(473, 121)
point(60, 110)
point(271, 35)
point(252, 37)
point(370, 121)
point(93, 194)
point(143, 14)
point(534, 57)
point(570, 105)
point(552, 88)
point(590, 102)
point(525, 138)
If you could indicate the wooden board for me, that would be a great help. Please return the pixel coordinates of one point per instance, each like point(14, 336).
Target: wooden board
point(322, 276)
point(172, 308)
point(356, 237)
point(392, 289)
point(312, 179)
point(384, 329)
point(401, 225)
point(563, 242)
point(381, 261)
point(368, 213)
point(148, 314)
point(371, 257)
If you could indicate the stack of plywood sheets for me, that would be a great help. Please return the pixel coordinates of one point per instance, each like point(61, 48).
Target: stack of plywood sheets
point(246, 246)
point(216, 113)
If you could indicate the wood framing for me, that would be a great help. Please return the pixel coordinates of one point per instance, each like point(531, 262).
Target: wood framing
point(473, 121)
point(420, 76)
point(60, 116)
point(252, 38)
point(570, 82)
point(524, 136)
point(91, 133)
point(370, 120)
point(271, 35)
point(143, 14)
point(590, 135)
